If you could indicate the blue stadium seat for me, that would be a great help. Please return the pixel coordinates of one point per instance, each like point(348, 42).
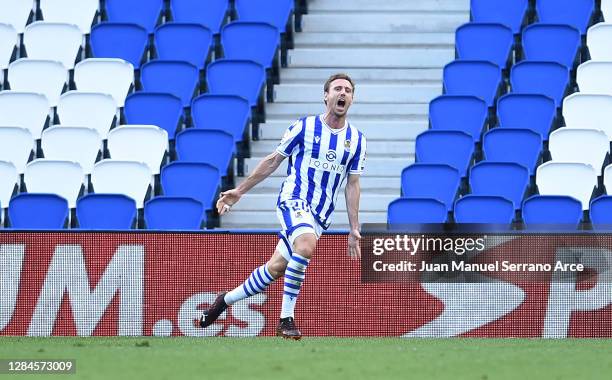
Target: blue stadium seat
point(551, 42)
point(255, 41)
point(236, 77)
point(484, 209)
point(227, 112)
point(190, 179)
point(522, 146)
point(174, 213)
point(485, 42)
point(601, 212)
point(274, 12)
point(552, 209)
point(209, 146)
point(545, 78)
point(577, 13)
point(435, 181)
point(453, 148)
point(173, 77)
point(525, 111)
point(38, 211)
point(153, 108)
point(510, 13)
point(145, 13)
point(106, 212)
point(458, 113)
point(119, 40)
point(210, 13)
point(184, 42)
point(477, 78)
point(416, 210)
point(505, 179)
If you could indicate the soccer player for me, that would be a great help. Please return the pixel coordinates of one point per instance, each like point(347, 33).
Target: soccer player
point(323, 151)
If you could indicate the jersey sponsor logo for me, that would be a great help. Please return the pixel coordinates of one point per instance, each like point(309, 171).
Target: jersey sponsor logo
point(331, 156)
point(327, 166)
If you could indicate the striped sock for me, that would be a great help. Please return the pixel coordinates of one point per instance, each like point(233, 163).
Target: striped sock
point(294, 276)
point(257, 283)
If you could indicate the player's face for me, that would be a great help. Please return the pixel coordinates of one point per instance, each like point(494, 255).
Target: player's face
point(339, 97)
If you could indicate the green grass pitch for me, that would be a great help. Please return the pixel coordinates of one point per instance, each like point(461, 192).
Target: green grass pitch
point(318, 358)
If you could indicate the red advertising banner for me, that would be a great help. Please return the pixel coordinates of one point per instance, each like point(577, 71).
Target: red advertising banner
point(106, 283)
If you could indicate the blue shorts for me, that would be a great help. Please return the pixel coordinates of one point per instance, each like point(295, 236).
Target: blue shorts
point(296, 219)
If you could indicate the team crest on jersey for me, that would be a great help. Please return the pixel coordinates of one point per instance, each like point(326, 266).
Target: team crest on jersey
point(347, 145)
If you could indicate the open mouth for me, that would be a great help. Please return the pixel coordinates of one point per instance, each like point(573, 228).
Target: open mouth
point(341, 102)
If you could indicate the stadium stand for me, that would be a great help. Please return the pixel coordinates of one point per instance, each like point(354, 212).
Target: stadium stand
point(9, 183)
point(211, 14)
point(551, 42)
point(416, 210)
point(87, 109)
point(15, 13)
point(485, 42)
point(153, 108)
point(208, 146)
point(228, 112)
point(534, 112)
point(64, 178)
point(77, 144)
point(191, 179)
point(598, 37)
point(458, 113)
point(177, 78)
point(504, 179)
point(184, 42)
point(588, 111)
point(573, 179)
point(477, 78)
point(82, 13)
point(8, 45)
point(40, 76)
point(454, 148)
point(24, 109)
point(16, 145)
point(483, 209)
point(236, 77)
point(521, 146)
point(586, 146)
point(600, 212)
point(120, 40)
point(577, 13)
point(145, 13)
point(53, 41)
point(595, 77)
point(552, 209)
point(142, 143)
point(174, 213)
point(106, 212)
point(136, 179)
point(545, 78)
point(434, 181)
point(510, 13)
point(38, 211)
point(105, 75)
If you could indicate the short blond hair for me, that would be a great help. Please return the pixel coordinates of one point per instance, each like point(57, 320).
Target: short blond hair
point(338, 76)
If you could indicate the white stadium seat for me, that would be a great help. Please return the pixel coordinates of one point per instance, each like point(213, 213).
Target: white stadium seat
point(606, 9)
point(16, 13)
point(135, 179)
point(24, 109)
point(78, 12)
point(53, 41)
point(106, 75)
point(587, 146)
point(595, 77)
point(589, 111)
point(87, 109)
point(16, 145)
point(607, 179)
point(38, 75)
point(567, 178)
point(77, 144)
point(63, 178)
point(598, 41)
point(8, 42)
point(144, 143)
point(9, 178)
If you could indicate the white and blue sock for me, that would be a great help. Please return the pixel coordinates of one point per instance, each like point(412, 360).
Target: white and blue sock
point(294, 276)
point(257, 283)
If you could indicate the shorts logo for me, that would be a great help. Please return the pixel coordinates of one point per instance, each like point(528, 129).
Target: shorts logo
point(347, 145)
point(331, 155)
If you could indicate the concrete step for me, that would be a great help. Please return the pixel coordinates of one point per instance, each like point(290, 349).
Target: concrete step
point(315, 6)
point(377, 40)
point(357, 111)
point(375, 58)
point(385, 185)
point(259, 219)
point(368, 93)
point(375, 166)
point(373, 129)
point(389, 148)
point(361, 76)
point(391, 21)
point(368, 202)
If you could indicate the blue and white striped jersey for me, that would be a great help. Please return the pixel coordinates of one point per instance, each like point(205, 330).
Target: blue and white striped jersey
point(320, 158)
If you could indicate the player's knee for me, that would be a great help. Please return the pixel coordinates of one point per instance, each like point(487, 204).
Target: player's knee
point(305, 245)
point(277, 268)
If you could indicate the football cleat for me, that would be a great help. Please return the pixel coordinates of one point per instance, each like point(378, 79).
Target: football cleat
point(216, 309)
point(287, 329)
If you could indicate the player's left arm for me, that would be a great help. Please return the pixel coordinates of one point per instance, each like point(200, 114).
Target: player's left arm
point(352, 192)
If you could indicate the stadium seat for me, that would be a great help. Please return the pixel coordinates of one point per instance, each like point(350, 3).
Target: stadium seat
point(485, 42)
point(588, 111)
point(40, 76)
point(475, 78)
point(226, 112)
point(38, 211)
point(607, 179)
point(106, 212)
point(189, 179)
point(544, 78)
point(53, 41)
point(606, 9)
point(551, 42)
point(598, 40)
point(567, 178)
point(64, 178)
point(453, 148)
point(183, 42)
point(522, 146)
point(153, 108)
point(117, 40)
point(587, 146)
point(600, 212)
point(81, 12)
point(143, 143)
point(484, 209)
point(435, 181)
point(77, 144)
point(9, 180)
point(510, 13)
point(15, 13)
point(577, 13)
point(416, 210)
point(504, 179)
point(206, 145)
point(135, 179)
point(87, 109)
point(8, 43)
point(458, 113)
point(274, 12)
point(211, 13)
point(173, 77)
point(552, 209)
point(236, 77)
point(174, 213)
point(16, 146)
point(595, 77)
point(255, 41)
point(105, 75)
point(145, 13)
point(525, 111)
point(24, 109)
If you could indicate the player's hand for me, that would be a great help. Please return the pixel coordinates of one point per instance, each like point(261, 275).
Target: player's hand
point(227, 200)
point(354, 249)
